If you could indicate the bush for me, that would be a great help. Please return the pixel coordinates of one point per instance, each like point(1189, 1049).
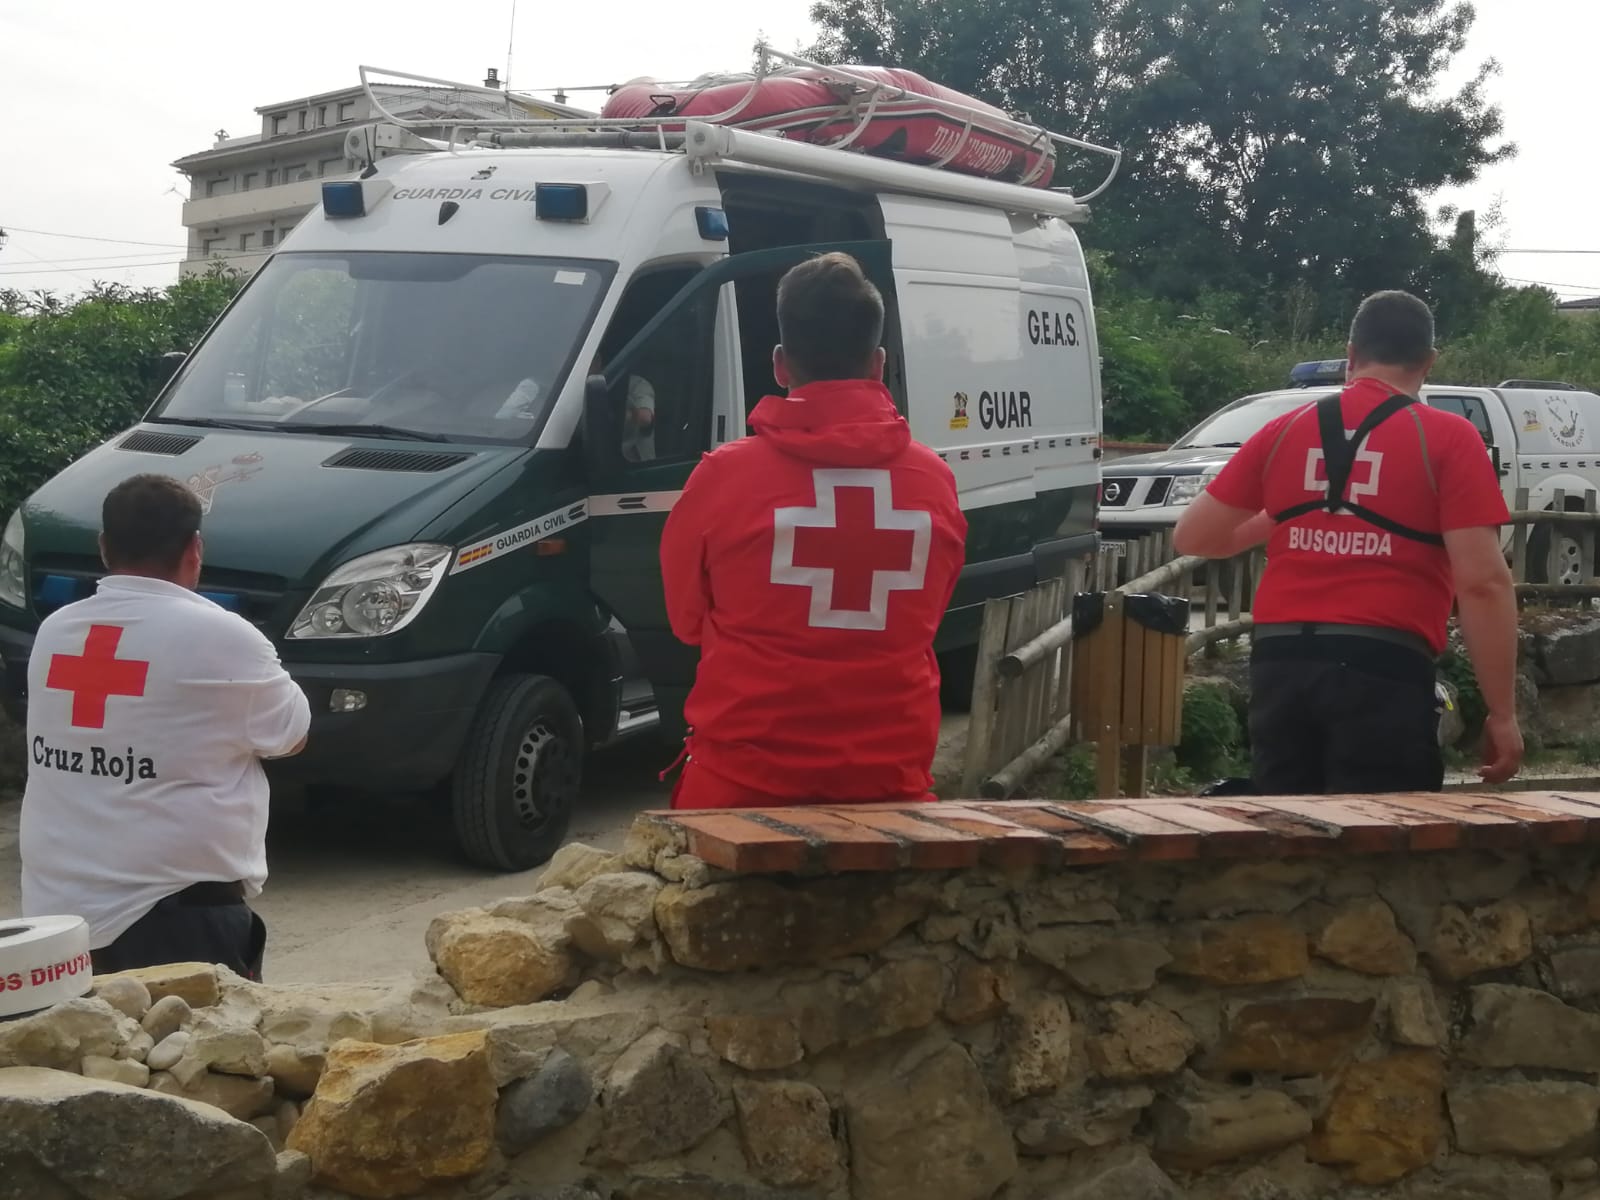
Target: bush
point(73, 375)
point(1212, 740)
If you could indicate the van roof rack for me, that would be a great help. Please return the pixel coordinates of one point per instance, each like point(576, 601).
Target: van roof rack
point(708, 139)
point(1552, 385)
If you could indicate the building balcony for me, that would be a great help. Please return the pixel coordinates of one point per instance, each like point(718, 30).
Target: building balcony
point(283, 200)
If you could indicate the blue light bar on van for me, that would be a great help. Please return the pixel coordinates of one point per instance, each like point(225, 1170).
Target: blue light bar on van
point(713, 223)
point(1310, 374)
point(344, 199)
point(561, 202)
point(225, 600)
point(57, 591)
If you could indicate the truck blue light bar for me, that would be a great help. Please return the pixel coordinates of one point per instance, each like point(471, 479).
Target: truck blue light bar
point(561, 202)
point(1310, 374)
point(344, 199)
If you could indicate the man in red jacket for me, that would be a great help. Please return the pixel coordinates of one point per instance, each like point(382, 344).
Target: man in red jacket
point(812, 564)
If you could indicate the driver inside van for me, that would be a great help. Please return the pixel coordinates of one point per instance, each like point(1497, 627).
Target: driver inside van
point(638, 417)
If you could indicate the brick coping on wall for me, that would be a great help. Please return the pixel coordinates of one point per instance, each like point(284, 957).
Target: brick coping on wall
point(1021, 833)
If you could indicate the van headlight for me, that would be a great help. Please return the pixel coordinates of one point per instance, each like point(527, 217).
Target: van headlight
point(13, 564)
point(1186, 487)
point(373, 595)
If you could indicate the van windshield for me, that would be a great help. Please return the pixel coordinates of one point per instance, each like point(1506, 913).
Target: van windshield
point(438, 346)
point(1234, 425)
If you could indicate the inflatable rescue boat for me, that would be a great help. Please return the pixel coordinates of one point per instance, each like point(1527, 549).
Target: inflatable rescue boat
point(901, 116)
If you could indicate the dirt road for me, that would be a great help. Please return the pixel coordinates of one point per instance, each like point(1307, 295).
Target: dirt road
point(352, 890)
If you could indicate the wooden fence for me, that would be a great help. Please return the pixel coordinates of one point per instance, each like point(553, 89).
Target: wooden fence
point(1023, 691)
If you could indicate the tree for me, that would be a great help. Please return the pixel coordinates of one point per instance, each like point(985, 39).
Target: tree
point(1270, 144)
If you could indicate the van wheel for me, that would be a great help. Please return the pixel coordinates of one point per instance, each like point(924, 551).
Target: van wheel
point(1555, 556)
point(517, 781)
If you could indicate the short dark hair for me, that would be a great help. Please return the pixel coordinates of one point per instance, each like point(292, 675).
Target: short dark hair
point(830, 319)
point(149, 521)
point(1393, 329)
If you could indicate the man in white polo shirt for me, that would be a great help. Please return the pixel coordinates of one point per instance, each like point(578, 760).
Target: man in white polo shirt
point(149, 711)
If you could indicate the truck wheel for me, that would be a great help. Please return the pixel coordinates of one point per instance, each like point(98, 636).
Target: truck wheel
point(517, 781)
point(1555, 555)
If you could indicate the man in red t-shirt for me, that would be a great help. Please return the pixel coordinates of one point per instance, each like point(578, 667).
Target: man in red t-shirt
point(1362, 572)
point(812, 563)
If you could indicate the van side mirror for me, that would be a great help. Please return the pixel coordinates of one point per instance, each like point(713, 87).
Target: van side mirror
point(167, 366)
point(602, 434)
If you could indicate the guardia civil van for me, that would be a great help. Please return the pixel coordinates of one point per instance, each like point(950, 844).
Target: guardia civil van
point(416, 431)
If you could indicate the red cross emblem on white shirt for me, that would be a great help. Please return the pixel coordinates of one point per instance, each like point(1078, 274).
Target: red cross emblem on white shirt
point(852, 549)
point(96, 675)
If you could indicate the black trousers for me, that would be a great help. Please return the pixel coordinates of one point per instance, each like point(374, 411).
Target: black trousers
point(1331, 715)
point(200, 924)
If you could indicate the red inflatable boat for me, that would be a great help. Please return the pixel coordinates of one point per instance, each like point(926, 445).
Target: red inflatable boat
point(877, 110)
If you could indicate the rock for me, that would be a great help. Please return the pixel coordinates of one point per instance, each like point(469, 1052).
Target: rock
point(127, 995)
point(1488, 939)
point(268, 1126)
point(650, 841)
point(1141, 1041)
point(1038, 1047)
point(295, 1071)
point(287, 1114)
point(927, 1130)
point(497, 961)
point(1526, 1120)
point(751, 923)
point(1521, 1027)
point(554, 1097)
point(1127, 1175)
point(118, 1070)
point(1068, 898)
point(293, 1175)
point(230, 1049)
point(242, 1099)
point(787, 1131)
point(520, 1039)
point(575, 864)
point(1249, 887)
point(617, 914)
point(1386, 1117)
point(1076, 1120)
point(901, 995)
point(168, 1052)
point(195, 983)
point(755, 1041)
point(978, 993)
point(188, 1070)
point(1362, 936)
point(1575, 972)
point(137, 1047)
point(63, 1036)
point(1414, 1018)
point(1568, 655)
point(1099, 965)
point(392, 1121)
point(1467, 1178)
point(658, 1102)
point(166, 1017)
point(1294, 1037)
point(698, 1187)
point(1199, 1131)
point(93, 1138)
point(1246, 951)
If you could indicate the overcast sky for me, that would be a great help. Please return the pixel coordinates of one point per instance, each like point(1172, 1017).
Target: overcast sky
point(102, 95)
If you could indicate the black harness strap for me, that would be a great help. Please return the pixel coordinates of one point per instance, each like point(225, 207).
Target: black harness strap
point(1339, 453)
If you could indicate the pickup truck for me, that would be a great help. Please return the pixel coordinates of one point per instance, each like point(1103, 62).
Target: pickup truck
point(1542, 436)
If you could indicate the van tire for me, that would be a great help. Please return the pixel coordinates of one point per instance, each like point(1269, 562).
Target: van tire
point(1555, 554)
point(519, 774)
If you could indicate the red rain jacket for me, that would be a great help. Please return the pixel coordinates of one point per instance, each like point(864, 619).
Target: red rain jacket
point(812, 563)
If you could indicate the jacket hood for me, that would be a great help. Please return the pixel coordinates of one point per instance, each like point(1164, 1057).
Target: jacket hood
point(846, 423)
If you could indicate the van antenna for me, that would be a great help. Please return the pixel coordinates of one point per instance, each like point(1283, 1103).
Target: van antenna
point(511, 36)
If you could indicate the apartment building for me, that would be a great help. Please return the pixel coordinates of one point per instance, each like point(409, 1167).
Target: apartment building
point(246, 193)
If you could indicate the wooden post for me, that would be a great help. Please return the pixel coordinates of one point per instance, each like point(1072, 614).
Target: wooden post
point(1107, 683)
point(985, 686)
point(1586, 545)
point(1213, 596)
point(1519, 540)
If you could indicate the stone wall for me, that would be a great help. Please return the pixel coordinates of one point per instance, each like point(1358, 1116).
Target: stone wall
point(1267, 1001)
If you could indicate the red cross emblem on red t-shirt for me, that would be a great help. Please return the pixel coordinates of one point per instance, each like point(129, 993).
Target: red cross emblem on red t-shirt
point(852, 549)
point(96, 675)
